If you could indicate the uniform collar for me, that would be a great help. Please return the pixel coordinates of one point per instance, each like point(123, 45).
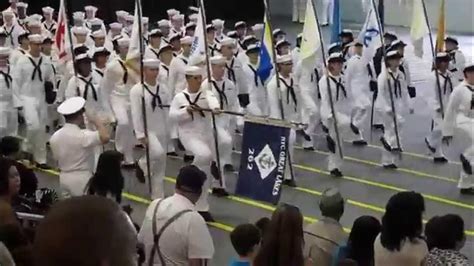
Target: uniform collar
point(183, 200)
point(71, 125)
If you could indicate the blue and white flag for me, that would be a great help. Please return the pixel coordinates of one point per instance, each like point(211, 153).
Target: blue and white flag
point(198, 46)
point(263, 161)
point(370, 34)
point(266, 63)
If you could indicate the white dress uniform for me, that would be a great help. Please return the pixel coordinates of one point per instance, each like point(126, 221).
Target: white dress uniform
point(117, 81)
point(459, 118)
point(447, 82)
point(458, 61)
point(235, 73)
point(151, 53)
point(12, 32)
point(177, 80)
point(195, 133)
point(383, 104)
point(50, 26)
point(186, 238)
point(257, 92)
point(8, 112)
point(29, 76)
point(157, 121)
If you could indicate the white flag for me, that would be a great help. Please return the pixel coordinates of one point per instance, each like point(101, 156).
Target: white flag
point(370, 34)
point(134, 48)
point(310, 42)
point(198, 46)
point(419, 28)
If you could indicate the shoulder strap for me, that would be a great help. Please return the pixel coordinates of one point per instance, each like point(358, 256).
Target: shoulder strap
point(323, 238)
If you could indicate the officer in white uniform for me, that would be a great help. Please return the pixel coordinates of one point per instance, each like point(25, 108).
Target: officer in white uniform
point(447, 82)
point(458, 60)
point(399, 95)
point(257, 92)
point(219, 26)
point(184, 238)
point(12, 29)
point(178, 65)
point(73, 146)
point(29, 76)
point(117, 81)
point(8, 112)
point(289, 95)
point(194, 127)
point(459, 118)
point(154, 44)
point(154, 96)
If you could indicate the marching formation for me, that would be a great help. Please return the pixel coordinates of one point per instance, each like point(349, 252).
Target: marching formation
point(170, 99)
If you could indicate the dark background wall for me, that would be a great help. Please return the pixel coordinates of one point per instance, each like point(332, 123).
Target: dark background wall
point(229, 10)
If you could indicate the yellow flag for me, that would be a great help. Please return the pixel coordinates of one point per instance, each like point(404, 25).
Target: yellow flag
point(310, 42)
point(441, 27)
point(419, 29)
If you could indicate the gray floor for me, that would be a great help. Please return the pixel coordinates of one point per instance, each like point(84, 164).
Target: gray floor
point(366, 186)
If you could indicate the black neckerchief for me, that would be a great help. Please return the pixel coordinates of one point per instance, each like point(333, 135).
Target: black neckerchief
point(88, 85)
point(315, 78)
point(50, 28)
point(213, 49)
point(230, 70)
point(99, 72)
point(402, 69)
point(8, 78)
point(194, 103)
point(153, 50)
point(221, 92)
point(339, 87)
point(217, 40)
point(256, 78)
point(397, 86)
point(155, 97)
point(125, 71)
point(290, 91)
point(452, 55)
point(447, 82)
point(184, 60)
point(165, 67)
point(472, 96)
point(36, 68)
point(9, 34)
point(369, 69)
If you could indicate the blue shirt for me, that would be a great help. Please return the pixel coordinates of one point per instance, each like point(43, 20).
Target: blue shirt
point(236, 262)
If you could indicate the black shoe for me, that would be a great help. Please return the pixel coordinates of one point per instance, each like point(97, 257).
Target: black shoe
point(355, 129)
point(140, 175)
point(305, 136)
point(172, 154)
point(289, 182)
point(359, 143)
point(378, 126)
point(390, 166)
point(466, 165)
point(129, 166)
point(433, 150)
point(180, 145)
point(220, 192)
point(440, 160)
point(467, 191)
point(188, 158)
point(215, 171)
point(207, 217)
point(336, 173)
point(309, 149)
point(385, 144)
point(44, 166)
point(397, 149)
point(229, 168)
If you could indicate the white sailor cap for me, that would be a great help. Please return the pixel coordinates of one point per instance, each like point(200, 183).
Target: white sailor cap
point(253, 48)
point(155, 33)
point(396, 44)
point(121, 13)
point(35, 38)
point(151, 63)
point(8, 13)
point(240, 24)
point(193, 71)
point(129, 18)
point(282, 43)
point(47, 10)
point(164, 23)
point(197, 59)
point(178, 17)
point(145, 20)
point(249, 38)
point(284, 58)
point(186, 40)
point(123, 42)
point(71, 106)
point(258, 27)
point(442, 55)
point(12, 1)
point(190, 25)
point(115, 26)
point(346, 32)
point(90, 8)
point(98, 34)
point(193, 9)
point(469, 67)
point(193, 17)
point(217, 60)
point(22, 5)
point(232, 34)
point(452, 40)
point(165, 47)
point(101, 51)
point(226, 41)
point(218, 23)
point(335, 57)
point(333, 46)
point(394, 55)
point(83, 56)
point(36, 17)
point(4, 51)
point(278, 32)
point(78, 15)
point(96, 21)
point(80, 30)
point(32, 22)
point(174, 36)
point(172, 12)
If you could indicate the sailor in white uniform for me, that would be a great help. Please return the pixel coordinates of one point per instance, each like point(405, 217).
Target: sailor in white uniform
point(258, 105)
point(100, 59)
point(154, 44)
point(459, 123)
point(458, 60)
point(164, 26)
point(8, 112)
point(219, 26)
point(178, 65)
point(49, 24)
point(12, 29)
point(22, 50)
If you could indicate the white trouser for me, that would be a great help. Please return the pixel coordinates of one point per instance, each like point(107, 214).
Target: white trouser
point(391, 157)
point(200, 144)
point(291, 149)
point(8, 119)
point(299, 7)
point(436, 136)
point(224, 140)
point(157, 164)
point(73, 184)
point(343, 122)
point(465, 128)
point(327, 12)
point(359, 116)
point(124, 137)
point(35, 112)
point(312, 118)
point(53, 115)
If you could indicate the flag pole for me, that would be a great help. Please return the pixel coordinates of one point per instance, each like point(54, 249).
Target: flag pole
point(392, 103)
point(142, 82)
point(331, 101)
point(277, 76)
point(209, 76)
point(433, 51)
point(68, 27)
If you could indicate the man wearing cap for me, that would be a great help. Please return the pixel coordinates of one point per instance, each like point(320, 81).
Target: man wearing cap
point(49, 24)
point(117, 81)
point(98, 37)
point(225, 91)
point(189, 29)
point(11, 29)
point(211, 40)
point(171, 12)
point(21, 8)
point(443, 84)
point(24, 46)
point(12, 7)
point(258, 105)
point(388, 39)
point(398, 91)
point(458, 59)
point(100, 59)
point(278, 35)
point(175, 42)
point(347, 37)
point(219, 27)
point(340, 100)
point(78, 18)
point(33, 25)
point(194, 127)
point(323, 237)
point(47, 51)
point(283, 47)
point(248, 40)
point(121, 14)
point(165, 55)
point(80, 35)
point(177, 23)
point(290, 100)
point(399, 46)
point(459, 119)
point(92, 22)
point(178, 64)
point(8, 112)
point(154, 44)
point(164, 27)
point(234, 70)
point(72, 146)
point(154, 96)
point(31, 73)
point(185, 239)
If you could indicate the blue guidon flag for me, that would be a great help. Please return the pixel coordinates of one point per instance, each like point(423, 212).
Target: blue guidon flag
point(263, 161)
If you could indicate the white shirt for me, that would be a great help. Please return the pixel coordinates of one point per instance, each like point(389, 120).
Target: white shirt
point(177, 81)
point(459, 108)
point(447, 83)
point(290, 97)
point(399, 94)
point(410, 253)
point(235, 73)
point(340, 96)
point(186, 238)
point(73, 147)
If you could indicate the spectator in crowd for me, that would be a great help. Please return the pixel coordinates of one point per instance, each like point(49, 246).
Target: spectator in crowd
point(400, 241)
point(10, 148)
point(445, 244)
point(324, 237)
point(85, 230)
point(6, 258)
point(108, 180)
point(9, 183)
point(262, 225)
point(245, 239)
point(360, 245)
point(173, 233)
point(283, 242)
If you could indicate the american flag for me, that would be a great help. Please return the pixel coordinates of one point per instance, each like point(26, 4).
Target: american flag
point(61, 33)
